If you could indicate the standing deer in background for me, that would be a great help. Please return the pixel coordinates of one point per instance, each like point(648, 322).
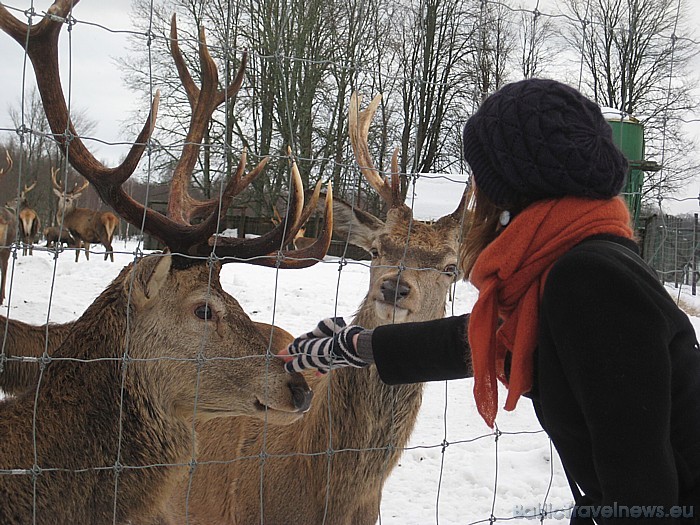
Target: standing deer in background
point(56, 237)
point(29, 223)
point(414, 264)
point(85, 225)
point(163, 347)
point(8, 232)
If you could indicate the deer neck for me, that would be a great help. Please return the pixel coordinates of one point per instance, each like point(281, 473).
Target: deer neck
point(85, 415)
point(392, 409)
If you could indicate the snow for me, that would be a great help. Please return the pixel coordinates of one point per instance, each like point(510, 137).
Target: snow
point(454, 470)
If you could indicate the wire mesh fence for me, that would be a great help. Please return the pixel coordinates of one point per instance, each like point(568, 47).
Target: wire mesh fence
point(391, 462)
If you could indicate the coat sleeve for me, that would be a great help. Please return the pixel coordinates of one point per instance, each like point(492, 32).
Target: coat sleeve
point(423, 351)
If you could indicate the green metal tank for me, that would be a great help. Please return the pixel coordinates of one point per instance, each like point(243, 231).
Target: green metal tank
point(628, 135)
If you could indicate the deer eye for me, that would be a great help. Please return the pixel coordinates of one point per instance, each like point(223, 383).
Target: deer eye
point(450, 269)
point(374, 253)
point(203, 311)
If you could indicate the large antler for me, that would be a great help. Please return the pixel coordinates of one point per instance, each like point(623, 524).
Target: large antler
point(358, 128)
point(175, 230)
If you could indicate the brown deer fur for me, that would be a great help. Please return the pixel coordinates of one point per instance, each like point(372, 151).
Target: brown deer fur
point(346, 487)
point(29, 225)
point(8, 231)
point(137, 414)
point(25, 340)
point(8, 234)
point(55, 236)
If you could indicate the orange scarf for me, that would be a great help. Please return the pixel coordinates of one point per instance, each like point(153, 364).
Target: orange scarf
point(510, 274)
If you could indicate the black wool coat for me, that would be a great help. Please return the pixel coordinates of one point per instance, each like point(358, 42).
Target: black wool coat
point(616, 386)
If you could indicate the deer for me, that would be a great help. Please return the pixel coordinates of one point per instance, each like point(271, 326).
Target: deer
point(56, 238)
point(108, 428)
point(8, 231)
point(29, 222)
point(252, 473)
point(85, 225)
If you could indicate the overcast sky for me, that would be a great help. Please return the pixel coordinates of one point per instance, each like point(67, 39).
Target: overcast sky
point(96, 86)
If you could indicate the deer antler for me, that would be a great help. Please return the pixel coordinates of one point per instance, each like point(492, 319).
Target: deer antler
point(27, 189)
point(59, 187)
point(6, 170)
point(174, 230)
point(358, 128)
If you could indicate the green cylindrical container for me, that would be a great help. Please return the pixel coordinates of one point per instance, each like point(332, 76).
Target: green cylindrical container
point(628, 135)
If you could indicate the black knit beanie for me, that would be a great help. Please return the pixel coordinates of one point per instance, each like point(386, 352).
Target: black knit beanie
point(539, 139)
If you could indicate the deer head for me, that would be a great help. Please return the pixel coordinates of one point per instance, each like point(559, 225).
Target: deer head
point(67, 199)
point(174, 296)
point(413, 263)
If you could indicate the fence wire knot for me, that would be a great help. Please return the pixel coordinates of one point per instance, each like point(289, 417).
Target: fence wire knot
point(193, 465)
point(445, 444)
point(30, 13)
point(68, 134)
point(44, 361)
point(118, 468)
point(36, 471)
point(22, 130)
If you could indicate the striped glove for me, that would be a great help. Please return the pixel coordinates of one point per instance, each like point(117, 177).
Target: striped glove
point(327, 346)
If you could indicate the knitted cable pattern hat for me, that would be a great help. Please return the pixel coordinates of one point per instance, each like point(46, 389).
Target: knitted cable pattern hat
point(538, 139)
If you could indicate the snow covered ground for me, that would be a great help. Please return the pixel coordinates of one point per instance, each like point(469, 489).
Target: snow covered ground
point(455, 469)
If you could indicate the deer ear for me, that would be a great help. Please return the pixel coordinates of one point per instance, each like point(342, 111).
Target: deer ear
point(358, 227)
point(147, 278)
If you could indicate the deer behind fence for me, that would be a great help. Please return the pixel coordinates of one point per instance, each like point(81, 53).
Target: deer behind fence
point(108, 428)
point(336, 459)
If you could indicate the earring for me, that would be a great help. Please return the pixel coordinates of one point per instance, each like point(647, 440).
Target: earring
point(504, 218)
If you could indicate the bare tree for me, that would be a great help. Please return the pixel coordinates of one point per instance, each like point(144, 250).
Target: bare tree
point(537, 43)
point(637, 60)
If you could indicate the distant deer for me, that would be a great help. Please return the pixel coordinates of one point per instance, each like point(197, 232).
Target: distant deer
point(85, 225)
point(413, 266)
point(109, 427)
point(55, 236)
point(8, 232)
point(29, 223)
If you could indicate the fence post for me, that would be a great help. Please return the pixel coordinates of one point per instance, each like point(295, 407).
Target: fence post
point(675, 256)
point(695, 240)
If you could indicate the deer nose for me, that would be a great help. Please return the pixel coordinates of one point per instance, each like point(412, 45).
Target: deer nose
point(301, 394)
point(394, 290)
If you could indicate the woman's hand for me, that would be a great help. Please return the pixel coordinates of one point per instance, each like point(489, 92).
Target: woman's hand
point(332, 344)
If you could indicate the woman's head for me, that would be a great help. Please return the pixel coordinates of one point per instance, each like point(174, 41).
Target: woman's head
point(539, 139)
point(532, 140)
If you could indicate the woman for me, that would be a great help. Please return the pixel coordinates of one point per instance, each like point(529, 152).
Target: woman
point(567, 315)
